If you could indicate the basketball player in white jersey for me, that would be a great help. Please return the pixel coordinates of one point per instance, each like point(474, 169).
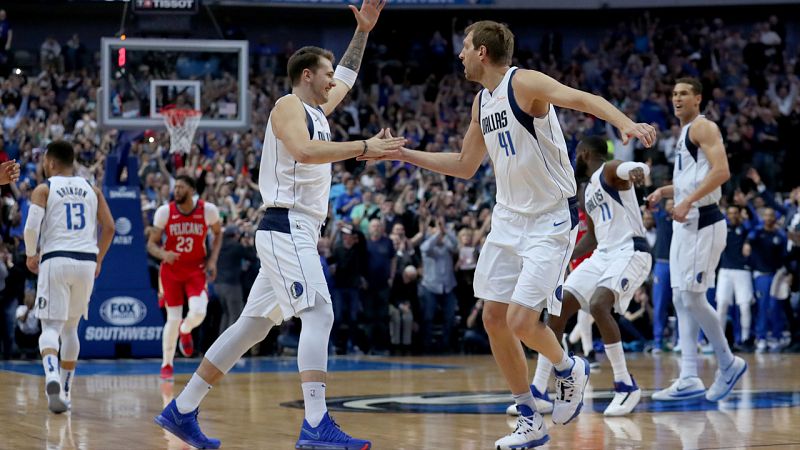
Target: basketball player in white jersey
point(699, 235)
point(534, 224)
point(621, 262)
point(294, 180)
point(62, 247)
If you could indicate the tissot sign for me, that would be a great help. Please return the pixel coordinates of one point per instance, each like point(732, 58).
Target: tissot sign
point(162, 6)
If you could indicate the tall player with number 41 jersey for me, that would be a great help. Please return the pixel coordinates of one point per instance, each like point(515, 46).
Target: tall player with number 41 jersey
point(184, 265)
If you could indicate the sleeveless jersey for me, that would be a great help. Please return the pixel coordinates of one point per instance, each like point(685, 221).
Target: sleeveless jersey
point(186, 235)
point(616, 216)
point(286, 183)
point(533, 168)
point(691, 167)
point(70, 219)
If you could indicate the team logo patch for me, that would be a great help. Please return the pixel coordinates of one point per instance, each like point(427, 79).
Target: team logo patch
point(297, 289)
point(699, 277)
point(776, 240)
point(42, 303)
point(625, 284)
point(559, 293)
point(495, 402)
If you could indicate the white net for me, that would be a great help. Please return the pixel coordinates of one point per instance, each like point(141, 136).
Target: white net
point(181, 124)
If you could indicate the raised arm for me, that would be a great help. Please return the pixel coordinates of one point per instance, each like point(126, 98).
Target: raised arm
point(622, 174)
point(289, 125)
point(463, 164)
point(107, 228)
point(531, 87)
point(347, 69)
point(706, 135)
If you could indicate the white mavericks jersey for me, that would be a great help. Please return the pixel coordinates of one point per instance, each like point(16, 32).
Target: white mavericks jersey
point(615, 214)
point(70, 219)
point(691, 167)
point(532, 165)
point(286, 183)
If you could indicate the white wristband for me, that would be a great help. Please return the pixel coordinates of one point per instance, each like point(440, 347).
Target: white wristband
point(624, 169)
point(32, 226)
point(345, 75)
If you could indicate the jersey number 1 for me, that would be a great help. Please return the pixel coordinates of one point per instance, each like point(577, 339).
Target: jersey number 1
point(506, 143)
point(76, 218)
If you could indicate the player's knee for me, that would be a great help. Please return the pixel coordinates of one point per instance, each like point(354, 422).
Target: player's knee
point(48, 339)
point(494, 318)
point(198, 304)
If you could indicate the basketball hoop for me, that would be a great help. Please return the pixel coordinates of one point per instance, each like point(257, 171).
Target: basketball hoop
point(181, 124)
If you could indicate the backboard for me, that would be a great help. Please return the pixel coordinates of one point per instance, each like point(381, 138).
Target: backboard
point(141, 76)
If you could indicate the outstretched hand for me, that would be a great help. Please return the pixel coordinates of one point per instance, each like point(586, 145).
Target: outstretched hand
point(642, 131)
point(368, 15)
point(383, 146)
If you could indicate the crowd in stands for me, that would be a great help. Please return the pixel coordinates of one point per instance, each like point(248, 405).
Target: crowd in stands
point(400, 244)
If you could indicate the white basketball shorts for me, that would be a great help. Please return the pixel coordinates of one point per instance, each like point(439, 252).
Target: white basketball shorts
point(621, 270)
point(525, 257)
point(64, 287)
point(735, 285)
point(696, 248)
point(290, 278)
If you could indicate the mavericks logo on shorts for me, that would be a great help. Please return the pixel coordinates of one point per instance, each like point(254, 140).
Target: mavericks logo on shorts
point(42, 303)
point(625, 284)
point(297, 289)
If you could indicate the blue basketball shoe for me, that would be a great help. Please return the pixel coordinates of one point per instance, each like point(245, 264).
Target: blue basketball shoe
point(185, 427)
point(328, 436)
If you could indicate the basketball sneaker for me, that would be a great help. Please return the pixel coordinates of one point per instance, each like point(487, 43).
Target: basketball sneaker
point(327, 435)
point(185, 343)
point(726, 379)
point(682, 389)
point(167, 373)
point(530, 432)
point(185, 426)
point(543, 403)
point(570, 385)
point(55, 402)
point(626, 397)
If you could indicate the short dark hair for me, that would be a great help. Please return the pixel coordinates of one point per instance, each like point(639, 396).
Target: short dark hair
point(306, 58)
point(697, 86)
point(188, 180)
point(496, 37)
point(62, 152)
point(596, 145)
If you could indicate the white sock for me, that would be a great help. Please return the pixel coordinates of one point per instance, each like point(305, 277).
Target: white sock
point(67, 377)
point(565, 363)
point(525, 399)
point(314, 398)
point(542, 375)
point(50, 364)
point(616, 355)
point(584, 326)
point(191, 396)
point(702, 312)
point(688, 331)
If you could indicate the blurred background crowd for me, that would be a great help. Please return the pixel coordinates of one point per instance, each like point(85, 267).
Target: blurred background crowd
point(400, 244)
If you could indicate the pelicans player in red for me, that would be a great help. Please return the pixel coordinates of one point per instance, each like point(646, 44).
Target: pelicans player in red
point(184, 265)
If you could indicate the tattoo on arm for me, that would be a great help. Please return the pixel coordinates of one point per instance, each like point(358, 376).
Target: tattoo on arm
point(355, 51)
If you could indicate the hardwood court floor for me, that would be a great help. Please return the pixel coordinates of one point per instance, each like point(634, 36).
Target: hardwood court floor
point(113, 409)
